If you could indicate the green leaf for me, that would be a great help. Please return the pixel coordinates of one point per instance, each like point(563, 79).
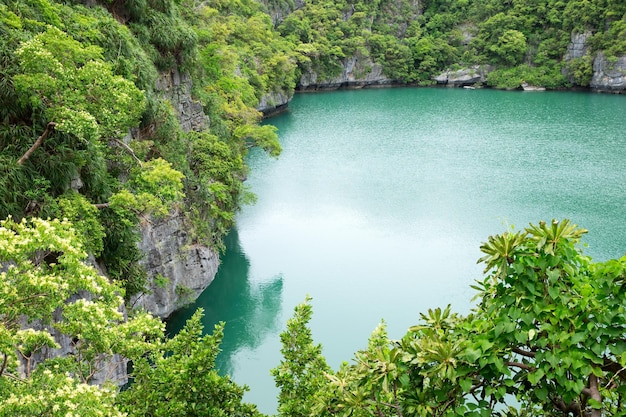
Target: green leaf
point(542, 393)
point(535, 376)
point(595, 404)
point(466, 384)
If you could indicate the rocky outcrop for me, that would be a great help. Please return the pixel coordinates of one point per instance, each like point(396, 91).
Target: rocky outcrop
point(274, 103)
point(176, 87)
point(463, 77)
point(108, 368)
point(279, 10)
point(609, 75)
point(577, 47)
point(358, 72)
point(178, 270)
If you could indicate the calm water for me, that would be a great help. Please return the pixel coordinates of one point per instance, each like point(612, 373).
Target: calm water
point(380, 201)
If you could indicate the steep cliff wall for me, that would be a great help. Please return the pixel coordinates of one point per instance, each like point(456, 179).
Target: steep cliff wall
point(609, 75)
point(273, 103)
point(178, 270)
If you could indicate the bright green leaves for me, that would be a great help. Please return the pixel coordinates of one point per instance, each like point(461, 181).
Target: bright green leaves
point(301, 374)
point(42, 274)
point(155, 187)
point(500, 251)
point(264, 136)
point(75, 88)
point(54, 394)
point(549, 236)
point(548, 331)
point(179, 379)
point(545, 300)
point(43, 271)
point(85, 218)
point(217, 181)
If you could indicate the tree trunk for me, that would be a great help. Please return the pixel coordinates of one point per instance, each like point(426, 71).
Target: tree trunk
point(595, 394)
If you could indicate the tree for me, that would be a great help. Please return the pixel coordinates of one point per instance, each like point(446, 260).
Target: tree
point(180, 379)
point(50, 294)
point(557, 319)
point(75, 88)
point(549, 330)
point(302, 373)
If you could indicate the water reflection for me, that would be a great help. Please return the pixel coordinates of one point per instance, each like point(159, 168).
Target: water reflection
point(250, 309)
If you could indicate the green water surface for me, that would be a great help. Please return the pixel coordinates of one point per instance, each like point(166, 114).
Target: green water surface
point(379, 203)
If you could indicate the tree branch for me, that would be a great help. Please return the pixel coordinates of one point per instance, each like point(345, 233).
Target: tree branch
point(128, 149)
point(523, 352)
point(102, 205)
point(38, 142)
point(4, 364)
point(520, 365)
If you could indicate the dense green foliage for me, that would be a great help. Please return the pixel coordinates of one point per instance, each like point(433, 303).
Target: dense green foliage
point(413, 41)
point(83, 81)
point(548, 331)
point(86, 136)
point(43, 268)
point(81, 121)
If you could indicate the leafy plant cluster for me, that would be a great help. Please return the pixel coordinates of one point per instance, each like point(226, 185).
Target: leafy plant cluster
point(42, 268)
point(84, 133)
point(547, 334)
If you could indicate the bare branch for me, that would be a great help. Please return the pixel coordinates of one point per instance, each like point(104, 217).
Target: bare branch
point(129, 150)
point(4, 363)
point(100, 206)
point(38, 142)
point(617, 374)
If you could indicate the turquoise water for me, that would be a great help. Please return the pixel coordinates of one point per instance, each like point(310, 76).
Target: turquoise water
point(381, 198)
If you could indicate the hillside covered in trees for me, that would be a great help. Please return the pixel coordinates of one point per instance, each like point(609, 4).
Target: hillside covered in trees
point(116, 115)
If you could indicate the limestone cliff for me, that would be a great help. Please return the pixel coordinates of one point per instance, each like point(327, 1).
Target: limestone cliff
point(609, 75)
point(178, 269)
point(273, 103)
point(357, 72)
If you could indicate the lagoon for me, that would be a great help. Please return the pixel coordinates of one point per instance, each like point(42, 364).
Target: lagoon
point(379, 203)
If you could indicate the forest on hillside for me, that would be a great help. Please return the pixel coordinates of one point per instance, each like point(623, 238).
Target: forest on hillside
point(92, 149)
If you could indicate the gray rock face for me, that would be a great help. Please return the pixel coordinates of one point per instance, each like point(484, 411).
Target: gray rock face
point(577, 47)
point(178, 270)
point(609, 75)
point(177, 88)
point(463, 77)
point(274, 103)
point(279, 10)
point(357, 72)
point(109, 368)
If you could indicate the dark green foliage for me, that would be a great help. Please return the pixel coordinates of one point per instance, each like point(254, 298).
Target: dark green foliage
point(121, 256)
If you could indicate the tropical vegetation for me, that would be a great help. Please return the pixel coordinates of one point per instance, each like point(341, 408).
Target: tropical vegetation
point(92, 147)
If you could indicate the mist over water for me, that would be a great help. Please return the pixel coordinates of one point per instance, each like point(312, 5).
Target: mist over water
point(379, 203)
